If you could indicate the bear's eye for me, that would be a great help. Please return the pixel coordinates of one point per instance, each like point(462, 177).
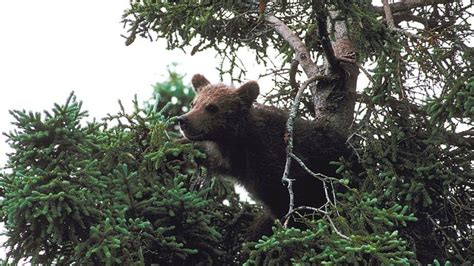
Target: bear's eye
point(212, 108)
point(192, 104)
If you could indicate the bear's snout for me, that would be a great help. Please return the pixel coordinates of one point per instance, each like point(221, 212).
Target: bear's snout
point(187, 129)
point(183, 121)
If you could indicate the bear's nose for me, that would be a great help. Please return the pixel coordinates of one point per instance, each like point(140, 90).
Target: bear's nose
point(182, 121)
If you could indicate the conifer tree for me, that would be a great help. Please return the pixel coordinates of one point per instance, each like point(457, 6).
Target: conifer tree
point(411, 126)
point(123, 191)
point(120, 191)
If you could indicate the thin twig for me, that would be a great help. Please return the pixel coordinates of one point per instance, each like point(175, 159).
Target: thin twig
point(333, 190)
point(320, 176)
point(318, 210)
point(290, 155)
point(349, 141)
point(324, 178)
point(289, 136)
point(335, 228)
point(293, 71)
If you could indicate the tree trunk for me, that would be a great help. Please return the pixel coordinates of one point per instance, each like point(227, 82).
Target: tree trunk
point(334, 100)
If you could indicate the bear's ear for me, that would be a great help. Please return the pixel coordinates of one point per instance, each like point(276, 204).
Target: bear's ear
point(249, 92)
point(199, 81)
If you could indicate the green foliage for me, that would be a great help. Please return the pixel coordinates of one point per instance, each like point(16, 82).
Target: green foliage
point(366, 233)
point(120, 191)
point(201, 24)
point(228, 26)
point(123, 191)
point(49, 203)
point(413, 132)
point(318, 246)
point(415, 151)
point(174, 91)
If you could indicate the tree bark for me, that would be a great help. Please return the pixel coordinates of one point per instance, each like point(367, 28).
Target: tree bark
point(302, 54)
point(334, 101)
point(333, 98)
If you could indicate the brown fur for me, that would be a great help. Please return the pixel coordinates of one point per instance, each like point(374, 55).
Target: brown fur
point(245, 140)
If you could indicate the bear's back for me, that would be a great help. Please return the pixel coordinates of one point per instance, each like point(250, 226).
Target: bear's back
point(259, 161)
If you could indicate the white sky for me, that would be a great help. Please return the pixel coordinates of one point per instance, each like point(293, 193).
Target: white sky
point(50, 48)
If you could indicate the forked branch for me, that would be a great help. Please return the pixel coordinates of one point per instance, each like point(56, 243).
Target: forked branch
point(289, 138)
point(290, 155)
point(302, 54)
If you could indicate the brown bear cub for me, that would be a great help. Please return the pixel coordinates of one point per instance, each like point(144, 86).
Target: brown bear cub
point(246, 141)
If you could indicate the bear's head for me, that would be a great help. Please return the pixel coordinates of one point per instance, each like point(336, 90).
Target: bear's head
point(218, 111)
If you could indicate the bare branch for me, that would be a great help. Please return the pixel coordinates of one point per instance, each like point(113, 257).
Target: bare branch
point(388, 14)
point(329, 201)
point(290, 155)
point(320, 176)
point(407, 16)
point(335, 228)
point(289, 136)
point(349, 142)
point(302, 54)
point(323, 212)
point(409, 4)
point(319, 210)
point(293, 71)
point(391, 23)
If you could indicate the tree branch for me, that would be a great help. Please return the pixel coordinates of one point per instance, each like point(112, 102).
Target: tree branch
point(290, 155)
point(324, 179)
point(409, 4)
point(321, 16)
point(293, 70)
point(302, 54)
point(391, 23)
point(289, 138)
point(460, 139)
point(407, 16)
point(388, 14)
